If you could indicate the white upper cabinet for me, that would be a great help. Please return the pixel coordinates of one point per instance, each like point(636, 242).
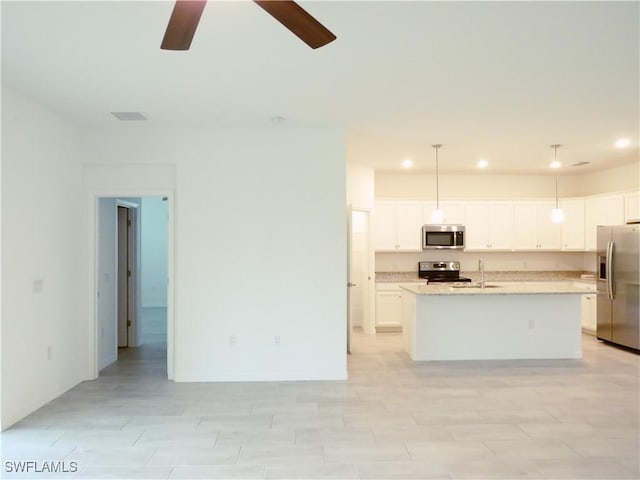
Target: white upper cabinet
point(385, 226)
point(632, 207)
point(397, 226)
point(489, 226)
point(453, 212)
point(549, 233)
point(607, 210)
point(533, 228)
point(573, 225)
point(525, 226)
point(499, 225)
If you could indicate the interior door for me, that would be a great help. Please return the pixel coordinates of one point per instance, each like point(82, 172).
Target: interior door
point(359, 286)
point(349, 274)
point(123, 277)
point(359, 270)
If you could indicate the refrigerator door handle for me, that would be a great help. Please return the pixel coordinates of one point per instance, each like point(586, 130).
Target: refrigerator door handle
point(610, 246)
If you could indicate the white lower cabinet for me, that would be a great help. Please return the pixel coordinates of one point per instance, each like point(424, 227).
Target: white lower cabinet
point(589, 312)
point(388, 307)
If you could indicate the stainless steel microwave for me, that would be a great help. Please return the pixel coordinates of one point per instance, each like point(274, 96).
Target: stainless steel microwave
point(435, 237)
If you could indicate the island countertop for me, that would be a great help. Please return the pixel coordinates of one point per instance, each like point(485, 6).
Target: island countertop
point(502, 288)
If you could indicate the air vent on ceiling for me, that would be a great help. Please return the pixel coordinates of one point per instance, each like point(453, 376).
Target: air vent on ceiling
point(579, 164)
point(128, 116)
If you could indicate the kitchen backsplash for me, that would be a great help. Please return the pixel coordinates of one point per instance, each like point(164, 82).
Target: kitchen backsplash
point(494, 261)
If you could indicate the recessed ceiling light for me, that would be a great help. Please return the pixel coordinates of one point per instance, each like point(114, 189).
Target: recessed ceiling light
point(555, 164)
point(408, 163)
point(482, 163)
point(623, 143)
point(277, 119)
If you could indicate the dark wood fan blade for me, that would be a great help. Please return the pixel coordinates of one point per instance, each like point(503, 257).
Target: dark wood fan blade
point(296, 19)
point(182, 24)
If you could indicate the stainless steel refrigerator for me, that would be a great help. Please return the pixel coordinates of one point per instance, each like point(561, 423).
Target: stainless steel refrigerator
point(619, 285)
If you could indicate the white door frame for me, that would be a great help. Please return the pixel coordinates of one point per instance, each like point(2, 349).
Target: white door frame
point(92, 336)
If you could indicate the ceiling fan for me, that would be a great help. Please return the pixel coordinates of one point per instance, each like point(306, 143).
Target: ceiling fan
point(186, 15)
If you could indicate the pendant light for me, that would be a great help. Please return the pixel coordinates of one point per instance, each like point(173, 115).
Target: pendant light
point(557, 215)
point(437, 216)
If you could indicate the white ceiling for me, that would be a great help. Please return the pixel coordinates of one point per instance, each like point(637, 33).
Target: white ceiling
point(498, 80)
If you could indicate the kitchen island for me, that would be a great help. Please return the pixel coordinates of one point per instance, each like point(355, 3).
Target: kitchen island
point(505, 320)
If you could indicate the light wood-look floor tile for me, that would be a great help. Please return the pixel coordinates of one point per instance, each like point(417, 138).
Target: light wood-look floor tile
point(393, 419)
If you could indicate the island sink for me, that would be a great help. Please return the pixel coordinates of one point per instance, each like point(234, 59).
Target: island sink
point(474, 285)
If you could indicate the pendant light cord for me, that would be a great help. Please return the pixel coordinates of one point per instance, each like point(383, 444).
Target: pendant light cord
point(556, 188)
point(437, 146)
point(555, 159)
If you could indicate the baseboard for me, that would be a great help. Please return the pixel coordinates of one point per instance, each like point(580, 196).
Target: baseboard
point(27, 408)
point(108, 361)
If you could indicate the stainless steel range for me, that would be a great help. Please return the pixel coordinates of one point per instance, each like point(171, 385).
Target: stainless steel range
point(435, 272)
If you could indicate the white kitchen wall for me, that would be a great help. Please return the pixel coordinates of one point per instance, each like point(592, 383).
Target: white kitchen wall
point(260, 261)
point(44, 258)
point(494, 261)
point(153, 224)
point(482, 185)
point(624, 177)
point(106, 282)
point(487, 186)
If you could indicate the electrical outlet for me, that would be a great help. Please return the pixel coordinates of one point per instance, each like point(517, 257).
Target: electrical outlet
point(276, 340)
point(49, 352)
point(532, 324)
point(232, 340)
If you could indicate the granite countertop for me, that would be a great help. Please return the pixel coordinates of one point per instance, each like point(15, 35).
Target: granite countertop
point(506, 276)
point(503, 288)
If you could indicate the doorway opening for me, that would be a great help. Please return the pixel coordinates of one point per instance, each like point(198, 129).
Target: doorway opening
point(360, 284)
point(133, 304)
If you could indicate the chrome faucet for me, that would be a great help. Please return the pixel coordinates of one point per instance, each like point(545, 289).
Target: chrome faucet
point(481, 269)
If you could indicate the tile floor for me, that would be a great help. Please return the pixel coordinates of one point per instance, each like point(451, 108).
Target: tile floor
point(393, 419)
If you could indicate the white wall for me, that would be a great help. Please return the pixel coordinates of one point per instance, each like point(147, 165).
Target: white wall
point(106, 279)
point(43, 242)
point(360, 186)
point(153, 224)
point(260, 245)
